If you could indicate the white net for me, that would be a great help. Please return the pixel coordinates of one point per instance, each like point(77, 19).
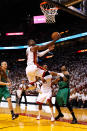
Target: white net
point(49, 11)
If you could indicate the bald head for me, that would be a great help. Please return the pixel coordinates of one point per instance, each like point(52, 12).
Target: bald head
point(31, 42)
point(45, 67)
point(4, 65)
point(63, 68)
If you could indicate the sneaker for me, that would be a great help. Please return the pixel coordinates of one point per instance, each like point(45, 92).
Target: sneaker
point(59, 116)
point(38, 118)
point(15, 116)
point(74, 121)
point(52, 118)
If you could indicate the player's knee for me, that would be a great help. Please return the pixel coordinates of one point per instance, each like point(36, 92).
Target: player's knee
point(40, 107)
point(8, 99)
point(49, 102)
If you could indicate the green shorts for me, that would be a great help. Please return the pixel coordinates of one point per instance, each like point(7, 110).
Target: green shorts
point(62, 96)
point(4, 92)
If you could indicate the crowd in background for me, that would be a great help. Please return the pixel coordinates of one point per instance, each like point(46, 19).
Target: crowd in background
point(76, 65)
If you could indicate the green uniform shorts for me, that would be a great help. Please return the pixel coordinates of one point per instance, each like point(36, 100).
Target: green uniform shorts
point(4, 92)
point(62, 96)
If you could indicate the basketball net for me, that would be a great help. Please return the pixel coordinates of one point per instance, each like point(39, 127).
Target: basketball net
point(49, 11)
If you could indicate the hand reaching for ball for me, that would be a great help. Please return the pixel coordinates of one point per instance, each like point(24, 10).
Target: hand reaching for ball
point(55, 35)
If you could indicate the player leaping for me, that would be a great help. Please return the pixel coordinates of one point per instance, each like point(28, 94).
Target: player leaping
point(33, 70)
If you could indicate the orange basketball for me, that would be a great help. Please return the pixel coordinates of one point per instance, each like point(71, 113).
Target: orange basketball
point(55, 35)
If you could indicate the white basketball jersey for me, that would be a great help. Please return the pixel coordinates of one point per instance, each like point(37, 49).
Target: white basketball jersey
point(46, 87)
point(30, 56)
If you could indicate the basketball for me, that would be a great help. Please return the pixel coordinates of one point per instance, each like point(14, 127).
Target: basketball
point(55, 35)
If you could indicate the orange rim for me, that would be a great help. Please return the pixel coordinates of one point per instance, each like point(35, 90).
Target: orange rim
point(43, 3)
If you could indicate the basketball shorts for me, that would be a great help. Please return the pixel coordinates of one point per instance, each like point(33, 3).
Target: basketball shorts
point(62, 96)
point(4, 92)
point(44, 97)
point(32, 71)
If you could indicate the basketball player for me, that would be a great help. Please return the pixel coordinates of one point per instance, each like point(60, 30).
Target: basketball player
point(45, 94)
point(4, 92)
point(33, 69)
point(62, 97)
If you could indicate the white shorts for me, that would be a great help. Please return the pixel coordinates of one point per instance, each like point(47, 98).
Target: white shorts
point(44, 97)
point(32, 71)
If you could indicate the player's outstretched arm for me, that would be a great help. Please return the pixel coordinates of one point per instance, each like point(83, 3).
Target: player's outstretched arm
point(55, 81)
point(47, 46)
point(42, 53)
point(43, 47)
point(55, 36)
point(53, 73)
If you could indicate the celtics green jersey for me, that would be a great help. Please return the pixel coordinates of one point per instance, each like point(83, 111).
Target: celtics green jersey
point(4, 79)
point(62, 83)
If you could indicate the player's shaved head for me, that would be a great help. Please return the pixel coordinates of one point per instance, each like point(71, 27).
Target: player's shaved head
point(31, 42)
point(45, 66)
point(4, 64)
point(63, 68)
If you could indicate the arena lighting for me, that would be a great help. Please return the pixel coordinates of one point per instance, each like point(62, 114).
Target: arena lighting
point(13, 48)
point(60, 40)
point(15, 33)
point(67, 38)
point(81, 51)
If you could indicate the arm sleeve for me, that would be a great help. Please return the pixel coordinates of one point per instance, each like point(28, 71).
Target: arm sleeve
point(61, 74)
point(40, 54)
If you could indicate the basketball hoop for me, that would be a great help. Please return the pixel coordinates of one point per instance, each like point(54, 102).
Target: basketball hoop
point(49, 10)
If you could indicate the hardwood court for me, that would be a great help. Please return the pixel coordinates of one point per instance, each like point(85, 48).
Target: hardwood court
point(27, 121)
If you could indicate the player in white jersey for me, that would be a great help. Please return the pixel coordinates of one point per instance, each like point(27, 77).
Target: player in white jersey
point(45, 94)
point(33, 70)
